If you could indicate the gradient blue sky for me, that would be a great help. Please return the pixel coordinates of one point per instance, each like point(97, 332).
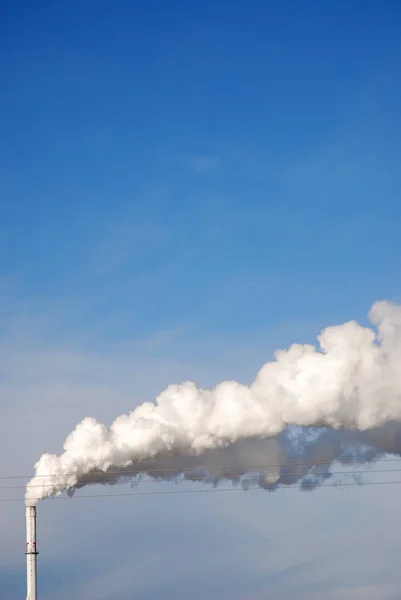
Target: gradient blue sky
point(186, 186)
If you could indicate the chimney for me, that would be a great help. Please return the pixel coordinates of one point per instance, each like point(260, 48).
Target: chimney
point(31, 553)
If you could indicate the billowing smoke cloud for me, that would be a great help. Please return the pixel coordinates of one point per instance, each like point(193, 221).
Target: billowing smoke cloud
point(306, 409)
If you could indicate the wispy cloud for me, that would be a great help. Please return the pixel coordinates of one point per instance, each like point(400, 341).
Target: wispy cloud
point(201, 164)
point(124, 242)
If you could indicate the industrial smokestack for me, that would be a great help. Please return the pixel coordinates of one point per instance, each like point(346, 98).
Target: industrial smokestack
point(31, 553)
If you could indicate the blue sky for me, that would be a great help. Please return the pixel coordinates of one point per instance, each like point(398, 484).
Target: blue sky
point(184, 187)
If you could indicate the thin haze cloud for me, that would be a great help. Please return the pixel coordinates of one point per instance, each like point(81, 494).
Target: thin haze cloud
point(201, 164)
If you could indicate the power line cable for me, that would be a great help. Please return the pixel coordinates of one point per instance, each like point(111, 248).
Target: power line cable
point(215, 490)
point(180, 469)
point(217, 478)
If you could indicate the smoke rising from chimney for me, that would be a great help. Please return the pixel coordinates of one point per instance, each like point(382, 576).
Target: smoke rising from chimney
point(338, 402)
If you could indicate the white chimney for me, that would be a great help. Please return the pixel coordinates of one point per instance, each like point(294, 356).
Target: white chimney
point(31, 553)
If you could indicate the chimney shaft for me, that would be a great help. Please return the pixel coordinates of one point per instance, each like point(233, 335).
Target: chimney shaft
point(31, 553)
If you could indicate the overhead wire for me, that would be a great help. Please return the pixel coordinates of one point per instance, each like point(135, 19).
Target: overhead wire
point(217, 478)
point(215, 490)
point(208, 479)
point(186, 468)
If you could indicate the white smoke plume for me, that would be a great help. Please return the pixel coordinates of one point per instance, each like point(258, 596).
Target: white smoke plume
point(345, 396)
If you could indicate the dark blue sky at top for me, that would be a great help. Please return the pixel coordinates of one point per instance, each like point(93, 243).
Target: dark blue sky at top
point(213, 145)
